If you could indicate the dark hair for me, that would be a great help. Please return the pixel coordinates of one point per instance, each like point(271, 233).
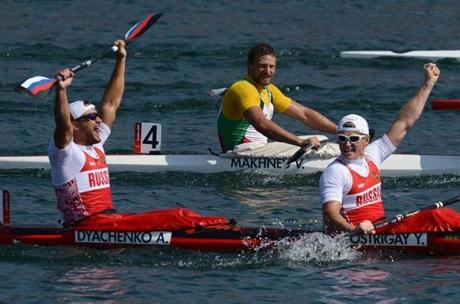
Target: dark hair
point(261, 49)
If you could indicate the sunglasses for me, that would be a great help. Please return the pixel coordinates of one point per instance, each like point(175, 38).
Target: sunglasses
point(90, 116)
point(353, 138)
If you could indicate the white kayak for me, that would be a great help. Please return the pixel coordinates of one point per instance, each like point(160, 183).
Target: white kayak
point(433, 55)
point(395, 165)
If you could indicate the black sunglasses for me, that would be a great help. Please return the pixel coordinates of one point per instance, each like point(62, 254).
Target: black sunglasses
point(91, 116)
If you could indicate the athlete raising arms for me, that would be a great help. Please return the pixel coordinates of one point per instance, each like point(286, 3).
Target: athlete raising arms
point(351, 186)
point(78, 168)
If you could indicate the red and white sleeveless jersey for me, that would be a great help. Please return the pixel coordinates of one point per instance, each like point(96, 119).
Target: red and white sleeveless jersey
point(364, 200)
point(88, 192)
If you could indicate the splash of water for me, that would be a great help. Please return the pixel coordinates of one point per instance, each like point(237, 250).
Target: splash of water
point(316, 247)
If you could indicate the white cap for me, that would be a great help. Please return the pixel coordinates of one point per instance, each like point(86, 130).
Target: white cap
point(353, 123)
point(80, 107)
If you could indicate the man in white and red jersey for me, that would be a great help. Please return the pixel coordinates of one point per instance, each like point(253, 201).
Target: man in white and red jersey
point(351, 185)
point(78, 168)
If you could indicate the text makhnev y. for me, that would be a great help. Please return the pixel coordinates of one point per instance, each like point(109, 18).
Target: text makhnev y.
point(261, 163)
point(123, 237)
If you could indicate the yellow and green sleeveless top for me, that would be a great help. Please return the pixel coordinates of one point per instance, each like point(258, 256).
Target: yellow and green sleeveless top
point(232, 127)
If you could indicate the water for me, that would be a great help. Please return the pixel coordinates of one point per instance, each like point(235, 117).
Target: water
point(196, 46)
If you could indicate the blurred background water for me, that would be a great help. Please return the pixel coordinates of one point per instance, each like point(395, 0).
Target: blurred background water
point(197, 46)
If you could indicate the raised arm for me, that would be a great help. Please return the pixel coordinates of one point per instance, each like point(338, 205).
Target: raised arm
point(311, 118)
point(113, 94)
point(63, 132)
point(413, 109)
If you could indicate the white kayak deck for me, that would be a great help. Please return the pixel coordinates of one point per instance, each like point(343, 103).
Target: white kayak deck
point(435, 54)
point(395, 165)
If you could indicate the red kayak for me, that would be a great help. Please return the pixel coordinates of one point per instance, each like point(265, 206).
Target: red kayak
point(421, 233)
point(445, 104)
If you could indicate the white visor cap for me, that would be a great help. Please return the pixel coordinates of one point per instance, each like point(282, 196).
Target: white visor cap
point(353, 123)
point(80, 107)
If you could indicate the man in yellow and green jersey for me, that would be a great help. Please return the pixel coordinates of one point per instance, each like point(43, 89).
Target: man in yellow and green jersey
point(248, 106)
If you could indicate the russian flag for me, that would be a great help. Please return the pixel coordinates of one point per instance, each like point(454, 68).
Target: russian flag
point(36, 86)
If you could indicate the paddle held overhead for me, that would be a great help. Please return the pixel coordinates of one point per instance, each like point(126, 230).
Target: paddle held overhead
point(40, 87)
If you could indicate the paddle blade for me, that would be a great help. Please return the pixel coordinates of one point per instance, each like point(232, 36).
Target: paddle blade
point(37, 87)
point(298, 154)
point(140, 27)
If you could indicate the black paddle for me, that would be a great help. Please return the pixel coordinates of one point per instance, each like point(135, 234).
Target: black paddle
point(402, 216)
point(301, 152)
point(40, 87)
point(298, 154)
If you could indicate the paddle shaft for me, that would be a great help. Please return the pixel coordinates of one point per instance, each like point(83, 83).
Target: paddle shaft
point(130, 36)
point(301, 152)
point(92, 60)
point(298, 154)
point(400, 217)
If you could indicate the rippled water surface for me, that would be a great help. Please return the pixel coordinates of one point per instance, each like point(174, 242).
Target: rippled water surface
point(196, 46)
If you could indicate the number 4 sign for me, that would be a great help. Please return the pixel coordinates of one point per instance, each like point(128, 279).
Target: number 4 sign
point(147, 138)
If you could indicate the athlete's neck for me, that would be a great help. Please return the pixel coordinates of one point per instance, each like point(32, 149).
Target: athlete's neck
point(82, 143)
point(352, 161)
